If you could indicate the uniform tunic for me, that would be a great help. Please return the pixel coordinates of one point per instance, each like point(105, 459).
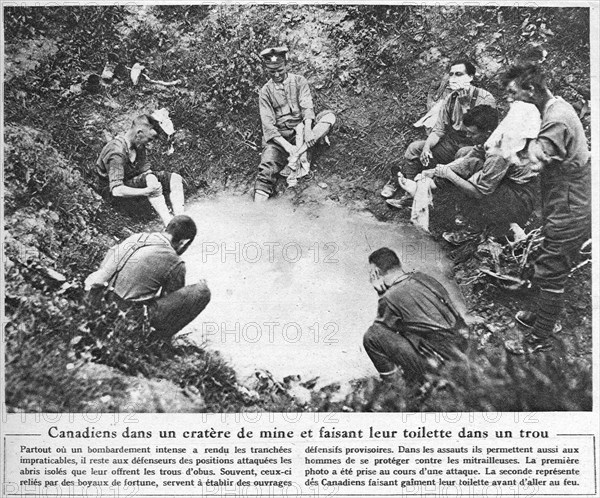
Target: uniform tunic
point(415, 328)
point(142, 267)
point(114, 168)
point(145, 270)
point(284, 106)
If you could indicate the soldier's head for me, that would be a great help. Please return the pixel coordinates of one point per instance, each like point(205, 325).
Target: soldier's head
point(460, 74)
point(275, 63)
point(384, 260)
point(525, 82)
point(480, 122)
point(381, 262)
point(182, 230)
point(144, 130)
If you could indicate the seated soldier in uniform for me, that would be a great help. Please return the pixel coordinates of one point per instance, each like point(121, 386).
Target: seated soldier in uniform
point(497, 191)
point(285, 102)
point(122, 171)
point(448, 135)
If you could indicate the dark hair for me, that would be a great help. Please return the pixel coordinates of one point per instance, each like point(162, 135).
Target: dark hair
point(528, 75)
point(485, 117)
point(181, 227)
point(469, 67)
point(385, 259)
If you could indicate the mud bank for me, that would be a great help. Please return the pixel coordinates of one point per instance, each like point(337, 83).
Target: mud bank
point(290, 287)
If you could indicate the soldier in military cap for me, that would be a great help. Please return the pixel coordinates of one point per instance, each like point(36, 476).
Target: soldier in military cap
point(287, 115)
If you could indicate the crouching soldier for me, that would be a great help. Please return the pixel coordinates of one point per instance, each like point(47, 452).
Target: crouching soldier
point(289, 124)
point(145, 272)
point(417, 326)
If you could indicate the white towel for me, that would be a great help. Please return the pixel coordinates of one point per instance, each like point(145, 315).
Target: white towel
point(521, 124)
point(429, 120)
point(421, 201)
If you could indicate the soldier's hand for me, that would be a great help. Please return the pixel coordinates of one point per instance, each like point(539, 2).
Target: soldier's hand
point(154, 190)
point(426, 156)
point(377, 281)
point(309, 136)
point(401, 179)
point(443, 171)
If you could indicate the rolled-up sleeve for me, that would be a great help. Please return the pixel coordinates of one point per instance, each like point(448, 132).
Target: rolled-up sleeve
point(115, 169)
point(553, 138)
point(267, 116)
point(305, 99)
point(493, 172)
point(444, 117)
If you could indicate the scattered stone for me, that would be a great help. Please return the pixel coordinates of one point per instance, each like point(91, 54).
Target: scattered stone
point(136, 72)
point(112, 104)
point(54, 275)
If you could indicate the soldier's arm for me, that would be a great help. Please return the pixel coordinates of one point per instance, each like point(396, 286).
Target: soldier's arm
point(116, 175)
point(175, 279)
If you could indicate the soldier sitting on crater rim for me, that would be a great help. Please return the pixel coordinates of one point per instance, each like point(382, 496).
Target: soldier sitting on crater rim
point(123, 172)
point(287, 115)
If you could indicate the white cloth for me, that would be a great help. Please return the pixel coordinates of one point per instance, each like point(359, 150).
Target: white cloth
point(429, 120)
point(522, 123)
point(422, 199)
point(164, 121)
point(301, 167)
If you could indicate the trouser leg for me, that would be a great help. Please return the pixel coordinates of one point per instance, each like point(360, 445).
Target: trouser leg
point(549, 308)
point(169, 314)
point(272, 161)
point(509, 203)
point(567, 225)
point(160, 206)
point(388, 350)
point(443, 153)
point(551, 271)
point(411, 166)
point(324, 123)
point(176, 196)
point(159, 202)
